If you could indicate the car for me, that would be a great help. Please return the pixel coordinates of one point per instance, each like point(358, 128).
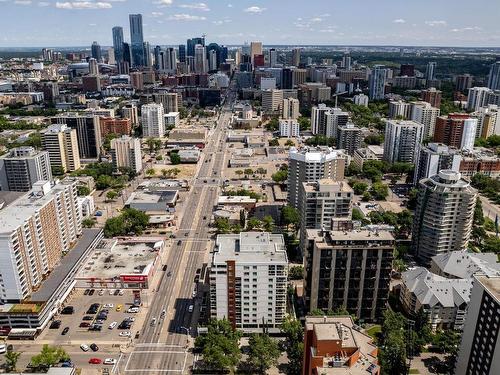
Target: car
point(205, 181)
point(121, 292)
point(124, 325)
point(84, 325)
point(198, 271)
point(153, 322)
point(65, 330)
point(112, 325)
point(190, 308)
point(162, 315)
point(96, 327)
point(111, 292)
point(101, 292)
point(95, 361)
point(169, 274)
point(137, 335)
point(92, 291)
point(130, 319)
point(117, 291)
point(186, 234)
point(3, 348)
point(88, 318)
point(68, 310)
point(110, 361)
point(133, 310)
point(10, 348)
point(109, 305)
point(124, 334)
point(179, 243)
point(119, 308)
point(86, 293)
point(164, 267)
point(204, 218)
point(84, 347)
point(55, 324)
point(98, 213)
point(94, 347)
point(194, 293)
point(66, 364)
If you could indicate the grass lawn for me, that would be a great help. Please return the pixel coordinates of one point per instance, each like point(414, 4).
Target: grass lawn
point(414, 371)
point(374, 331)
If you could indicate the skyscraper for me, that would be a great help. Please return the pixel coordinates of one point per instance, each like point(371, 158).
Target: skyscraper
point(200, 59)
point(435, 157)
point(457, 130)
point(191, 44)
point(88, 131)
point(255, 49)
point(136, 39)
point(402, 141)
point(62, 144)
point(118, 43)
point(148, 62)
point(494, 76)
point(430, 71)
point(273, 57)
point(326, 120)
point(444, 214)
point(425, 114)
point(296, 56)
point(153, 121)
point(182, 53)
point(377, 82)
point(96, 51)
point(126, 153)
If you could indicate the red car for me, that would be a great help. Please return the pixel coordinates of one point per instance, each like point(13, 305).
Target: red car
point(95, 361)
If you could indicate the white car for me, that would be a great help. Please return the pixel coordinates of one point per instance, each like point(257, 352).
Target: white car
point(121, 292)
point(101, 292)
point(3, 348)
point(124, 334)
point(110, 361)
point(112, 325)
point(84, 347)
point(110, 305)
point(190, 308)
point(111, 292)
point(133, 310)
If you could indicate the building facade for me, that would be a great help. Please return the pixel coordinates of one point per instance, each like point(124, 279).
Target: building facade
point(126, 153)
point(61, 143)
point(402, 141)
point(153, 120)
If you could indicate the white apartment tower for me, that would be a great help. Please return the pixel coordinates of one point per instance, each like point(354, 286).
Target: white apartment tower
point(126, 153)
point(272, 100)
point(248, 280)
point(152, 119)
point(61, 143)
point(425, 114)
point(402, 141)
point(290, 109)
point(326, 120)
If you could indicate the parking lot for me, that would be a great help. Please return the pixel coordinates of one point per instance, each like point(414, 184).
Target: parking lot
point(117, 307)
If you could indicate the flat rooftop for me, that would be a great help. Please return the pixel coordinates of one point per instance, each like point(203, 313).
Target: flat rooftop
point(66, 265)
point(156, 196)
point(250, 247)
point(225, 199)
point(492, 284)
point(350, 236)
point(113, 258)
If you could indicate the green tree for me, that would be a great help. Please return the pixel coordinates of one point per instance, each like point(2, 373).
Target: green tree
point(11, 359)
point(88, 222)
point(478, 213)
point(242, 218)
point(280, 176)
point(304, 123)
point(130, 221)
point(272, 125)
point(374, 139)
point(264, 352)
point(379, 190)
point(150, 172)
point(321, 140)
point(290, 216)
point(296, 273)
point(114, 227)
point(253, 223)
point(57, 170)
point(220, 345)
point(238, 172)
point(268, 223)
point(175, 158)
point(111, 195)
point(261, 171)
point(293, 344)
point(289, 143)
point(82, 190)
point(222, 225)
point(491, 245)
point(359, 187)
point(393, 350)
point(49, 357)
point(103, 182)
point(447, 341)
point(274, 142)
point(248, 172)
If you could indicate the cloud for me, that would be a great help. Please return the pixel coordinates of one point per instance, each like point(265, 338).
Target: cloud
point(43, 4)
point(399, 20)
point(464, 29)
point(156, 14)
point(23, 2)
point(196, 6)
point(83, 5)
point(163, 3)
point(435, 23)
point(229, 5)
point(185, 17)
point(254, 9)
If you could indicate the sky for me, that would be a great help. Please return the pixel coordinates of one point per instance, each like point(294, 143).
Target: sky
point(51, 23)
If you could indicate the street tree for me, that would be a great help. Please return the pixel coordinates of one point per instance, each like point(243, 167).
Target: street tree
point(253, 223)
point(111, 195)
point(150, 172)
point(11, 359)
point(49, 357)
point(290, 216)
point(293, 344)
point(268, 223)
point(264, 352)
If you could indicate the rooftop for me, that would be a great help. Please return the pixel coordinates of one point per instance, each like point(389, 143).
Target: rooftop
point(149, 196)
point(113, 258)
point(463, 265)
point(316, 154)
point(327, 184)
point(349, 237)
point(492, 284)
point(250, 247)
point(234, 199)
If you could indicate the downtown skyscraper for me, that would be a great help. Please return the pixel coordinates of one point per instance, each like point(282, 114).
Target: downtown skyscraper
point(118, 43)
point(136, 40)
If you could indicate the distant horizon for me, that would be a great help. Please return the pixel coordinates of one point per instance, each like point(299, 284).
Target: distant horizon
point(433, 23)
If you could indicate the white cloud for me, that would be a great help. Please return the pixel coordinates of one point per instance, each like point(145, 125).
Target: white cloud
point(163, 3)
point(43, 4)
point(399, 20)
point(185, 17)
point(196, 6)
point(464, 29)
point(254, 9)
point(435, 23)
point(83, 5)
point(23, 2)
point(229, 5)
point(156, 14)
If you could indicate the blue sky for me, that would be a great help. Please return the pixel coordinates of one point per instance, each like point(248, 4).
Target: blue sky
point(356, 22)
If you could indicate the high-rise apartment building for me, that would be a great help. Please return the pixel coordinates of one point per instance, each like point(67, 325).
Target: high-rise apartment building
point(478, 97)
point(22, 167)
point(152, 120)
point(272, 57)
point(96, 51)
point(272, 100)
point(62, 145)
point(402, 140)
point(326, 120)
point(129, 111)
point(126, 153)
point(349, 138)
point(488, 121)
point(137, 80)
point(361, 99)
point(200, 59)
point(443, 217)
point(255, 49)
point(431, 96)
point(426, 114)
point(35, 231)
point(136, 40)
point(479, 350)
point(88, 132)
point(377, 82)
point(118, 43)
point(430, 71)
point(348, 270)
point(289, 128)
point(169, 100)
point(457, 130)
point(248, 280)
point(435, 157)
point(494, 76)
point(463, 82)
point(312, 164)
point(118, 126)
point(291, 107)
point(296, 56)
point(399, 109)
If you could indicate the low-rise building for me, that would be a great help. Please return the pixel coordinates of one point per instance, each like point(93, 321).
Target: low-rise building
point(244, 201)
point(153, 201)
point(289, 128)
point(190, 155)
point(336, 346)
point(372, 152)
point(172, 119)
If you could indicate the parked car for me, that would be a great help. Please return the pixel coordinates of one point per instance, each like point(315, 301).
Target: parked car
point(124, 334)
point(68, 310)
point(84, 347)
point(101, 292)
point(121, 292)
point(111, 291)
point(133, 310)
point(94, 347)
point(88, 318)
point(86, 293)
point(113, 325)
point(110, 361)
point(119, 308)
point(117, 291)
point(84, 325)
point(3, 348)
point(92, 291)
point(64, 331)
point(55, 324)
point(190, 308)
point(95, 361)
point(153, 322)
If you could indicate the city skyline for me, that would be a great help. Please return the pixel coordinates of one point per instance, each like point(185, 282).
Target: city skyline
point(169, 22)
